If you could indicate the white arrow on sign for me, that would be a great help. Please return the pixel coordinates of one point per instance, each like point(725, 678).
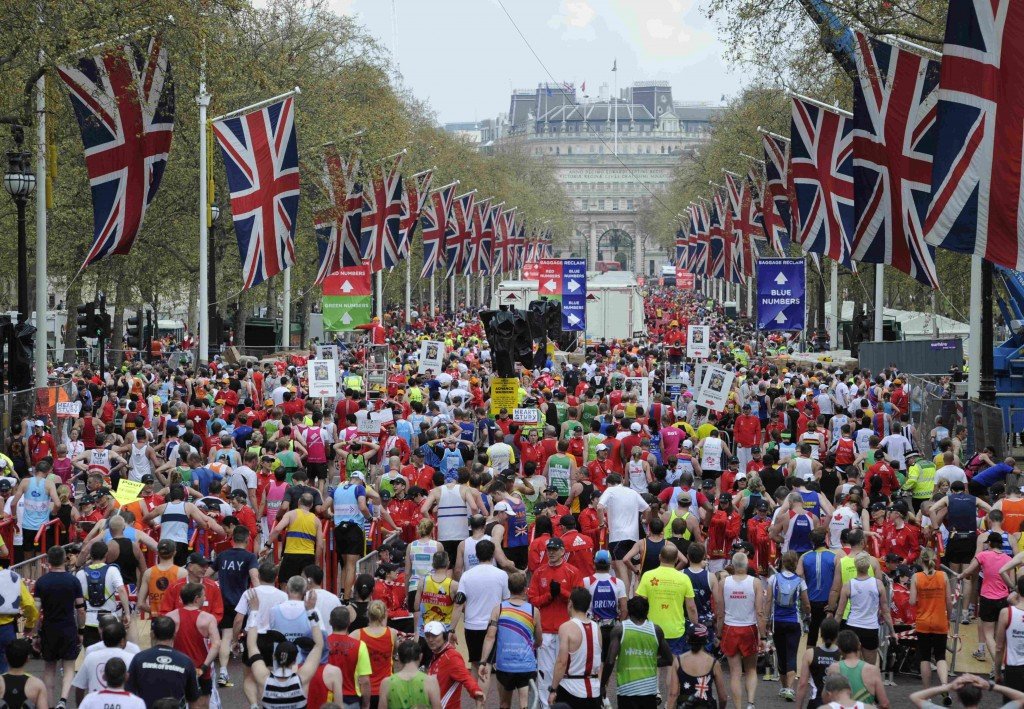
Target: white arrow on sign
point(573, 320)
point(573, 286)
point(346, 319)
point(780, 318)
point(347, 287)
point(550, 285)
point(781, 279)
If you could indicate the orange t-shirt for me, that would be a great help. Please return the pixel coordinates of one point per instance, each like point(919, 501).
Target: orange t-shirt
point(159, 581)
point(931, 603)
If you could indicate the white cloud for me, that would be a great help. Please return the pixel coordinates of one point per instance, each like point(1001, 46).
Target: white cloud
point(576, 17)
point(659, 29)
point(341, 7)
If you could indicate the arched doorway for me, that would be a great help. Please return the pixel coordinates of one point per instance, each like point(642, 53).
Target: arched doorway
point(616, 245)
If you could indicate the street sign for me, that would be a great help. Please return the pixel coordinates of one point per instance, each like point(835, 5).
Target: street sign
point(549, 277)
point(504, 394)
point(781, 294)
point(684, 279)
point(531, 271)
point(574, 295)
point(347, 299)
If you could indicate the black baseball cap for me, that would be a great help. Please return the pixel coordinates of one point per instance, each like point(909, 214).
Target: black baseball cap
point(197, 558)
point(555, 543)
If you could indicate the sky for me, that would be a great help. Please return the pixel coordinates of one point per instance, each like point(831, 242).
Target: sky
point(464, 56)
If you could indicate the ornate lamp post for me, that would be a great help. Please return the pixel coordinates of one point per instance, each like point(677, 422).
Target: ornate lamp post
point(20, 182)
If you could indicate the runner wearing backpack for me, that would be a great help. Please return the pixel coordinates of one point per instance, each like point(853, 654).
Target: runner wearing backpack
point(103, 588)
point(788, 592)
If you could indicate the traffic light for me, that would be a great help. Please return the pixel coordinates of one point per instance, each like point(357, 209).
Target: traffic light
point(19, 355)
point(135, 331)
point(553, 318)
point(86, 321)
point(104, 328)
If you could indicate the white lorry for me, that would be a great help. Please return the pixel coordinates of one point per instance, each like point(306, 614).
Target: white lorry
point(615, 306)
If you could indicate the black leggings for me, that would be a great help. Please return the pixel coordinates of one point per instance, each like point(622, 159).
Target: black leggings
point(787, 642)
point(817, 615)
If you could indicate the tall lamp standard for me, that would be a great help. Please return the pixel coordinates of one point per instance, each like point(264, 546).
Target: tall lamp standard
point(20, 182)
point(211, 274)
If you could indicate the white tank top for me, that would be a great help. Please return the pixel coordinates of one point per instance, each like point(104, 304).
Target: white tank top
point(452, 515)
point(140, 464)
point(676, 492)
point(814, 441)
point(421, 552)
point(804, 468)
point(637, 476)
point(469, 557)
point(99, 461)
point(739, 602)
point(863, 603)
point(582, 676)
point(1015, 638)
point(711, 455)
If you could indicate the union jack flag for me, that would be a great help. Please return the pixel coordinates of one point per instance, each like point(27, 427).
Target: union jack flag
point(775, 205)
point(481, 215)
point(124, 103)
point(681, 247)
point(261, 158)
point(382, 220)
point(893, 142)
point(412, 206)
point(747, 227)
point(976, 199)
point(716, 237)
point(699, 247)
point(458, 233)
point(434, 223)
point(821, 171)
point(474, 228)
point(520, 246)
point(334, 243)
point(549, 244)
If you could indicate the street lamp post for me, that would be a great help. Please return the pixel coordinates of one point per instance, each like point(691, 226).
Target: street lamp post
point(19, 182)
point(211, 274)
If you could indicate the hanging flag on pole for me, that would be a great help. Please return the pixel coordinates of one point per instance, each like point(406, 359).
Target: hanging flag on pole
point(261, 158)
point(124, 103)
point(434, 223)
point(775, 205)
point(458, 233)
point(716, 235)
point(327, 222)
point(893, 143)
point(976, 173)
point(382, 218)
point(413, 200)
point(482, 235)
point(821, 169)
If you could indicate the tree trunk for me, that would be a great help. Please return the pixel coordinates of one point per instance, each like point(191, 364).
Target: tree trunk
point(122, 292)
point(193, 310)
point(243, 316)
point(72, 299)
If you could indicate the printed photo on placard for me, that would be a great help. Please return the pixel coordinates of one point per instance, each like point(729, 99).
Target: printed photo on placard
point(698, 339)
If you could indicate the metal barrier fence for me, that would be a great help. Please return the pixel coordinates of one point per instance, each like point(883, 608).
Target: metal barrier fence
point(28, 403)
point(934, 396)
point(368, 564)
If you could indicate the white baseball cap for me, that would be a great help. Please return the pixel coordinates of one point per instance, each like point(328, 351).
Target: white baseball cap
point(434, 627)
point(601, 447)
point(357, 474)
point(635, 427)
point(504, 507)
point(687, 443)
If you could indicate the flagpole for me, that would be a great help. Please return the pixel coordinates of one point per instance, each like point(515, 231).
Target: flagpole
point(380, 295)
point(974, 342)
point(252, 106)
point(451, 291)
point(433, 305)
point(879, 297)
point(408, 286)
point(820, 104)
point(286, 310)
point(203, 99)
point(750, 297)
point(765, 131)
point(615, 103)
point(41, 284)
point(837, 307)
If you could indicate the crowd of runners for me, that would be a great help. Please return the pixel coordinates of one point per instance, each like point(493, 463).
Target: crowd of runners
point(598, 543)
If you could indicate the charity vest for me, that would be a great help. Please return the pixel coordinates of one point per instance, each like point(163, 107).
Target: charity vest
point(711, 457)
point(558, 473)
point(301, 535)
point(637, 669)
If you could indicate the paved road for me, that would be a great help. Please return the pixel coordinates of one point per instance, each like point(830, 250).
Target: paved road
point(767, 693)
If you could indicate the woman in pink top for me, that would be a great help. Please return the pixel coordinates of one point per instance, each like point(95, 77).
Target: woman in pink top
point(993, 591)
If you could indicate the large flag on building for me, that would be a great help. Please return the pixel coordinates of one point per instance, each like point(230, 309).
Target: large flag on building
point(382, 219)
point(124, 103)
point(434, 223)
point(413, 199)
point(976, 199)
point(893, 143)
point(821, 171)
point(261, 158)
point(775, 205)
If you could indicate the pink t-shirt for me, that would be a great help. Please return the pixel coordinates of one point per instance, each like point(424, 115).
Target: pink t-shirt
point(992, 585)
point(671, 439)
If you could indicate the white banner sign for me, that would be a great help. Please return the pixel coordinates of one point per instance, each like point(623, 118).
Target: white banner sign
point(327, 352)
point(698, 341)
point(323, 378)
point(368, 425)
point(68, 409)
point(526, 415)
point(714, 391)
point(431, 356)
point(641, 386)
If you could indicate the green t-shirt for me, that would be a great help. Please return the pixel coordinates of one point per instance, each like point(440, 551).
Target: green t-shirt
point(636, 672)
point(558, 473)
point(666, 589)
point(407, 693)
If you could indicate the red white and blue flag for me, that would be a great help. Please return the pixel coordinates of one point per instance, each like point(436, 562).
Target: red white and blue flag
point(716, 238)
point(413, 200)
point(458, 233)
point(481, 236)
point(894, 103)
point(700, 246)
point(124, 103)
point(821, 170)
point(747, 227)
point(976, 204)
point(337, 245)
point(261, 158)
point(681, 247)
point(382, 220)
point(434, 223)
point(776, 209)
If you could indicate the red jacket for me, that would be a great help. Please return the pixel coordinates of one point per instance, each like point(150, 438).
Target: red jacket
point(747, 431)
point(452, 675)
point(905, 543)
point(214, 604)
point(553, 611)
point(580, 550)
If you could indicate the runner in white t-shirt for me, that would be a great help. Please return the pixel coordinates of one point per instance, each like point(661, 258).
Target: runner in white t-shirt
point(621, 507)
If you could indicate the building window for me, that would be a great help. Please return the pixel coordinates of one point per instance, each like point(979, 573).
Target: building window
point(586, 204)
point(600, 149)
point(600, 204)
point(629, 204)
point(615, 204)
point(568, 150)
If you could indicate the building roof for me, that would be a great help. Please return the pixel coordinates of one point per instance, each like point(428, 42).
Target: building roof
point(598, 111)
